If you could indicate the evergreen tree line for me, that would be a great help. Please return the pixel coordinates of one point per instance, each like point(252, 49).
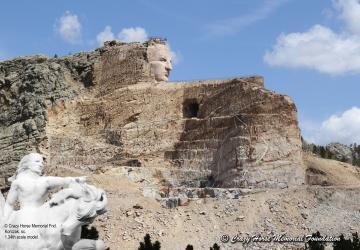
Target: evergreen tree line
point(355, 149)
point(148, 245)
point(343, 244)
point(324, 152)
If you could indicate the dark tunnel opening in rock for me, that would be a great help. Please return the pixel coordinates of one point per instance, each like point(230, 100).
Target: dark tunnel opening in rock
point(191, 108)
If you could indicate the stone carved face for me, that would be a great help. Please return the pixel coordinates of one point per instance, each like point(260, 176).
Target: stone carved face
point(37, 164)
point(159, 57)
point(32, 161)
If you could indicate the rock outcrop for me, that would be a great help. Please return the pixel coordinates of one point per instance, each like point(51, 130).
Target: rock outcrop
point(29, 87)
point(104, 109)
point(340, 151)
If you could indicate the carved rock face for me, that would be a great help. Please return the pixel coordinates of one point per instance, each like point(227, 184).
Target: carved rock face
point(159, 57)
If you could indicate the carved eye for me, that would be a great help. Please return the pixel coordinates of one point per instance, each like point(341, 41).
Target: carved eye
point(163, 59)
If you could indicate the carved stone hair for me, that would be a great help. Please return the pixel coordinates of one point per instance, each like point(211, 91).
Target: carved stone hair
point(25, 163)
point(155, 40)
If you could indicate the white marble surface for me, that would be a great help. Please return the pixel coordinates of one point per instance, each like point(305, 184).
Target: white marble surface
point(52, 225)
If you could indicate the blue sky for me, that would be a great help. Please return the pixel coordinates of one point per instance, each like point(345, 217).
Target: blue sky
point(309, 50)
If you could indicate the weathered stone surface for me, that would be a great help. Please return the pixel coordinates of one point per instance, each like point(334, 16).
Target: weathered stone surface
point(170, 202)
point(105, 109)
point(340, 151)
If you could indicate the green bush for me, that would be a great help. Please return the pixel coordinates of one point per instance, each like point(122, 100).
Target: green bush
point(147, 245)
point(215, 247)
point(349, 244)
point(315, 245)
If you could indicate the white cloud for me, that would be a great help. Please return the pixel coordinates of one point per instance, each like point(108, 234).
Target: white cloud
point(350, 13)
point(105, 35)
point(343, 128)
point(69, 28)
point(137, 34)
point(234, 25)
point(321, 48)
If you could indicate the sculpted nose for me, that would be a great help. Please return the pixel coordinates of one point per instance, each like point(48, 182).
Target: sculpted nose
point(169, 66)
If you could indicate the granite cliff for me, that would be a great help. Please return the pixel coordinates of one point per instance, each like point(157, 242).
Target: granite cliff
point(104, 109)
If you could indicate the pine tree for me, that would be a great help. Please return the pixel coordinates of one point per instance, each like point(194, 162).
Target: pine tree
point(356, 241)
point(147, 245)
point(215, 247)
point(315, 149)
point(322, 151)
point(343, 244)
point(315, 245)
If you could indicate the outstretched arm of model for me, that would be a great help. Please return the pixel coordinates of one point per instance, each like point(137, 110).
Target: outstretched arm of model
point(55, 182)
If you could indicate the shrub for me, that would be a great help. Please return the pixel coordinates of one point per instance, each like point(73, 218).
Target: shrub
point(349, 244)
point(147, 245)
point(315, 245)
point(215, 247)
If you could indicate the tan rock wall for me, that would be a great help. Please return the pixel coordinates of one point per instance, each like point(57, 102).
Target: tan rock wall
point(108, 111)
point(120, 66)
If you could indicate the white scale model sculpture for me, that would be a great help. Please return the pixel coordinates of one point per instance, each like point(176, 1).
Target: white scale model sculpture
point(52, 225)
